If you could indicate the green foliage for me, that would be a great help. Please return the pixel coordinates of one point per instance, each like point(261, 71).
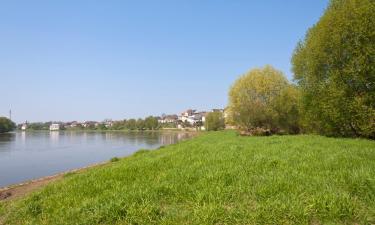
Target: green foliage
point(286, 113)
point(140, 124)
point(39, 126)
point(6, 125)
point(115, 159)
point(151, 123)
point(168, 125)
point(131, 124)
point(216, 178)
point(335, 67)
point(214, 121)
point(263, 98)
point(119, 125)
point(101, 127)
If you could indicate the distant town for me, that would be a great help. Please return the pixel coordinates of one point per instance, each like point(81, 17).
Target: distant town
point(190, 119)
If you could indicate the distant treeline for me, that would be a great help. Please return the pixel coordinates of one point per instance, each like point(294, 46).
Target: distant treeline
point(148, 123)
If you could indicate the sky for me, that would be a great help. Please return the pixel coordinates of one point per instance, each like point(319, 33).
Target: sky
point(94, 60)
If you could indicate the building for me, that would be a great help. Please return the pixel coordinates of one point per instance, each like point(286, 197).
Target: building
point(192, 117)
point(88, 124)
point(187, 116)
point(168, 119)
point(54, 127)
point(24, 126)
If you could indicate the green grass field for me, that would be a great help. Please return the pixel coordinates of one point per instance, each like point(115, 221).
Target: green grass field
point(216, 178)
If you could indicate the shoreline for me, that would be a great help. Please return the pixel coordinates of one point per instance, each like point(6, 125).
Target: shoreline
point(14, 191)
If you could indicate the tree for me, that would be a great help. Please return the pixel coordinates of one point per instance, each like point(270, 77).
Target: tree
point(140, 124)
point(286, 110)
point(214, 121)
point(102, 126)
point(256, 100)
point(151, 123)
point(119, 125)
point(131, 124)
point(6, 125)
point(335, 68)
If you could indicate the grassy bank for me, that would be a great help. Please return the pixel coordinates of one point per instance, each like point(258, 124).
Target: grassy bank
point(216, 178)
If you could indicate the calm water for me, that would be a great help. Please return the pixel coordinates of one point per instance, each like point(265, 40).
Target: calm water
point(29, 155)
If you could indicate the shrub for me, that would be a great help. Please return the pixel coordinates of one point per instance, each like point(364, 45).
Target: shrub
point(115, 159)
point(264, 99)
point(214, 121)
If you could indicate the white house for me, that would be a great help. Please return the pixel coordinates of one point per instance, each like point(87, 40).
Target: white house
point(54, 127)
point(168, 119)
point(24, 126)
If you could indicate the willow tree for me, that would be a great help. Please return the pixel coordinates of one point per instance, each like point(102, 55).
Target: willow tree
point(263, 98)
point(335, 67)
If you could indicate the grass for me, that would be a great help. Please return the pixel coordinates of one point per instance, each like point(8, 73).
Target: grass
point(216, 178)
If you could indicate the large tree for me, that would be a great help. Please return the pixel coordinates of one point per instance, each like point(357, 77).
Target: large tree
point(263, 98)
point(6, 125)
point(335, 67)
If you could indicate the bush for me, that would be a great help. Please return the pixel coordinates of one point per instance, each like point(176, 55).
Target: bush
point(214, 121)
point(334, 66)
point(115, 159)
point(263, 99)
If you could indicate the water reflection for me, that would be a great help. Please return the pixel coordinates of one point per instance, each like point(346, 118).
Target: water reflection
point(28, 155)
point(6, 140)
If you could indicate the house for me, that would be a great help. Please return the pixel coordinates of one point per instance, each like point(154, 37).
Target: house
point(54, 127)
point(187, 115)
point(168, 119)
point(24, 126)
point(192, 117)
point(88, 124)
point(188, 112)
point(108, 124)
point(202, 116)
point(73, 124)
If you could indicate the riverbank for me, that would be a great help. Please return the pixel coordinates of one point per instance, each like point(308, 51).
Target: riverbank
point(30, 155)
point(15, 191)
point(215, 178)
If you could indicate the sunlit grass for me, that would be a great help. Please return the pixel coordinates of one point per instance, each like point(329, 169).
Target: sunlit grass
point(217, 178)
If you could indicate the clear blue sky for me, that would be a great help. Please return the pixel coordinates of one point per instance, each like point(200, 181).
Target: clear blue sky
point(91, 60)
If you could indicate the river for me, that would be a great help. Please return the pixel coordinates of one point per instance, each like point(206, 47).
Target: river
point(30, 155)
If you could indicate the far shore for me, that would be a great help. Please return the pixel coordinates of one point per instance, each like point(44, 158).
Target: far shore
point(125, 131)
